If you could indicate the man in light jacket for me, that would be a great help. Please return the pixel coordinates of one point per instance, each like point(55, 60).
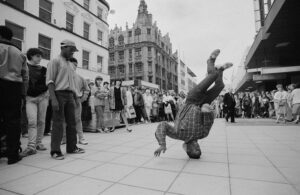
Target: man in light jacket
point(13, 82)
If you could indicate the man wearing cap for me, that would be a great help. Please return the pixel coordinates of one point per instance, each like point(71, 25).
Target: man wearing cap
point(62, 88)
point(195, 118)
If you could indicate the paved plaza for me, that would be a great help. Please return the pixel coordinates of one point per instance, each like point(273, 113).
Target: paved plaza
point(236, 159)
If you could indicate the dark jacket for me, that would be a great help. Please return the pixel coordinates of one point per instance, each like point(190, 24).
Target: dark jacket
point(229, 101)
point(138, 99)
point(37, 80)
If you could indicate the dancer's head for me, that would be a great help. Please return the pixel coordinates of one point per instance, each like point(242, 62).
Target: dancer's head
point(192, 149)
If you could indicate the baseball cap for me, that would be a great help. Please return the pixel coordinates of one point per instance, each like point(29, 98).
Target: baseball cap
point(68, 43)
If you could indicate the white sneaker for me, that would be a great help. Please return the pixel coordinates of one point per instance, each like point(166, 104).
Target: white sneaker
point(82, 142)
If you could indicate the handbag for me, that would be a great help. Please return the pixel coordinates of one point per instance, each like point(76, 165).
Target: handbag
point(130, 112)
point(111, 119)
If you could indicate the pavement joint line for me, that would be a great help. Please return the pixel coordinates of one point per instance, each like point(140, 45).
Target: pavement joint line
point(178, 174)
point(128, 174)
point(11, 191)
point(228, 165)
point(288, 181)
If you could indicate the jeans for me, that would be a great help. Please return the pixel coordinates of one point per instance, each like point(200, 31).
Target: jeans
point(48, 118)
point(79, 129)
point(200, 94)
point(10, 115)
point(36, 108)
point(65, 114)
point(100, 116)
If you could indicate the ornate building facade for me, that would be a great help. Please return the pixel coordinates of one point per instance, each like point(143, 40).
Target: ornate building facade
point(143, 53)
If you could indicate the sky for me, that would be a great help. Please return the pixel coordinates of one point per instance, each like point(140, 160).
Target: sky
point(197, 27)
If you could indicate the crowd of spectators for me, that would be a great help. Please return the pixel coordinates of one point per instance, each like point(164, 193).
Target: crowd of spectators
point(282, 104)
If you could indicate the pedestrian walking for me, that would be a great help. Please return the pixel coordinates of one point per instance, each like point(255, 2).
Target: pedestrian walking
point(118, 103)
point(229, 105)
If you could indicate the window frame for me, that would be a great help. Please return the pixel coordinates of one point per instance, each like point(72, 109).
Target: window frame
point(68, 22)
point(86, 6)
point(16, 40)
point(84, 30)
point(45, 48)
point(45, 9)
point(99, 15)
point(86, 67)
point(99, 69)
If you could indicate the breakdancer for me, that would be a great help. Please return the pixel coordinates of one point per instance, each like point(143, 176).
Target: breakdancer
point(195, 118)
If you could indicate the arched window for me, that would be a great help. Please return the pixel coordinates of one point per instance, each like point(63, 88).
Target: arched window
point(137, 32)
point(121, 40)
point(111, 42)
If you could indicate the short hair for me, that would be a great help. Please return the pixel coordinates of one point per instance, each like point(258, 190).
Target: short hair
point(32, 52)
point(105, 83)
point(193, 150)
point(279, 85)
point(73, 60)
point(6, 33)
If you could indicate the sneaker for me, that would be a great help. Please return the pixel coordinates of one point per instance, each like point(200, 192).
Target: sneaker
point(41, 147)
point(225, 66)
point(82, 142)
point(57, 155)
point(215, 54)
point(63, 143)
point(27, 152)
point(77, 151)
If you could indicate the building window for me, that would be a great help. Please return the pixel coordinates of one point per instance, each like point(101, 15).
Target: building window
point(150, 66)
point(112, 56)
point(17, 3)
point(86, 30)
point(148, 31)
point(182, 73)
point(157, 81)
point(121, 55)
point(121, 40)
point(86, 4)
point(121, 69)
point(45, 46)
point(111, 42)
point(112, 70)
point(99, 63)
point(138, 52)
point(99, 12)
point(130, 53)
point(137, 32)
point(138, 67)
point(99, 35)
point(18, 32)
point(45, 11)
point(129, 33)
point(85, 59)
point(150, 79)
point(69, 22)
point(182, 82)
point(139, 78)
point(130, 67)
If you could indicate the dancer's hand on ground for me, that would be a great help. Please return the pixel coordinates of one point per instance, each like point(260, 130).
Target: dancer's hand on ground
point(159, 150)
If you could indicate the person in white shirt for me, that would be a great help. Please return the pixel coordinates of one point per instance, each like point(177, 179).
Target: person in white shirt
point(295, 96)
point(280, 103)
point(148, 103)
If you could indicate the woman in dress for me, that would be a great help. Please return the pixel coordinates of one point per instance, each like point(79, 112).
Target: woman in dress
point(118, 103)
point(280, 103)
